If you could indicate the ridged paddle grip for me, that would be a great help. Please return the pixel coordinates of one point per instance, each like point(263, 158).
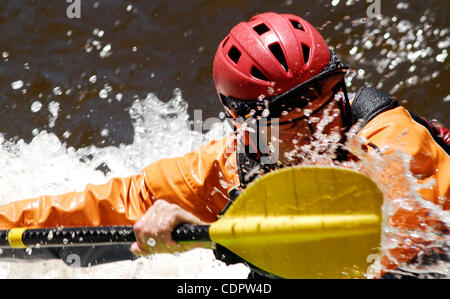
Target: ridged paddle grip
point(189, 232)
point(91, 236)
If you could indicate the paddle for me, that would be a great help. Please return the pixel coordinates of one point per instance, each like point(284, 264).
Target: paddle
point(88, 236)
point(308, 222)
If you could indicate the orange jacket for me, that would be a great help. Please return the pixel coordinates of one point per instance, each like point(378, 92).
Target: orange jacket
point(199, 182)
point(430, 166)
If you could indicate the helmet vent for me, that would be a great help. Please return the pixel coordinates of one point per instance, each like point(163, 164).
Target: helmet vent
point(258, 74)
point(305, 50)
point(234, 54)
point(279, 55)
point(261, 29)
point(225, 42)
point(297, 25)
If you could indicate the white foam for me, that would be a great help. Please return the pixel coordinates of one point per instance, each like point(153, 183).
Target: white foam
point(47, 166)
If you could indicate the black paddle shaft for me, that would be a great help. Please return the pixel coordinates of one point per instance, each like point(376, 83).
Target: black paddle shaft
point(91, 236)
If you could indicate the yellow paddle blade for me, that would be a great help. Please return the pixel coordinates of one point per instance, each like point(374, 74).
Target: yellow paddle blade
point(305, 222)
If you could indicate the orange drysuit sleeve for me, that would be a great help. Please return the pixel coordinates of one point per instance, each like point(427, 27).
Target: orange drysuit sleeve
point(198, 182)
point(430, 165)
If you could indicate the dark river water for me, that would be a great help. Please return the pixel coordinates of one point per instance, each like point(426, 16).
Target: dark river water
point(82, 75)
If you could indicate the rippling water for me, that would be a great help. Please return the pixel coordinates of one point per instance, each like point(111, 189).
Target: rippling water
point(88, 80)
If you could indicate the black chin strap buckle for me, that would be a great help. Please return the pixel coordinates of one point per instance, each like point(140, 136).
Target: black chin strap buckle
point(233, 193)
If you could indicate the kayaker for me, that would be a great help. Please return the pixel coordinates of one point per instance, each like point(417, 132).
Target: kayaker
point(275, 69)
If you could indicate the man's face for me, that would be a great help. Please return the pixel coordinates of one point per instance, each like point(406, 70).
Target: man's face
point(316, 133)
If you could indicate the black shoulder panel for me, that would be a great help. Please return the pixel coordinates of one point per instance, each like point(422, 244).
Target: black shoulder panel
point(369, 102)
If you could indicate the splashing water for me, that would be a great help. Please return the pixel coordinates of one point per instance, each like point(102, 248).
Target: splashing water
point(401, 189)
point(47, 166)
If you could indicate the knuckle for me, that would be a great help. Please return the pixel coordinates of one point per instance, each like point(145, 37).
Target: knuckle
point(174, 208)
point(141, 229)
point(160, 203)
point(165, 227)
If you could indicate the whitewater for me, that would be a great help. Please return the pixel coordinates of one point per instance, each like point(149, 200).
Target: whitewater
point(47, 166)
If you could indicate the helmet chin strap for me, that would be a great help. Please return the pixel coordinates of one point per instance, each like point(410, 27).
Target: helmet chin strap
point(347, 121)
point(346, 108)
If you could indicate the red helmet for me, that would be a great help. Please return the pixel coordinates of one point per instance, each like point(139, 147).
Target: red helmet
point(269, 55)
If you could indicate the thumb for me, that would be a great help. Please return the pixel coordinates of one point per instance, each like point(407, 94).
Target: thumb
point(184, 217)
